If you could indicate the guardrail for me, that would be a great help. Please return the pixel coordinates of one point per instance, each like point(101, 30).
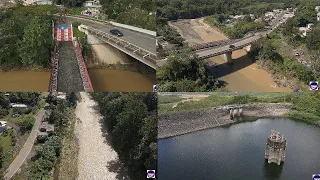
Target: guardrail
point(125, 46)
point(225, 51)
point(145, 31)
point(87, 17)
point(83, 69)
point(54, 70)
point(204, 46)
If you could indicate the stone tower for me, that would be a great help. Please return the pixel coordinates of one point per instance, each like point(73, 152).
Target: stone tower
point(275, 148)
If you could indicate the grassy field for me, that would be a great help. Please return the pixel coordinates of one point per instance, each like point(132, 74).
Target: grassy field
point(68, 166)
point(305, 106)
point(169, 99)
point(8, 150)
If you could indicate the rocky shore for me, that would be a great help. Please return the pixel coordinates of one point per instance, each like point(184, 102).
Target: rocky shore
point(179, 123)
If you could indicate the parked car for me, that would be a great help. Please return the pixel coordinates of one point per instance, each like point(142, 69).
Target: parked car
point(116, 32)
point(15, 115)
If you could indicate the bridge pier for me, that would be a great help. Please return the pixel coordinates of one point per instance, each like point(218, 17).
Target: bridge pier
point(228, 57)
point(247, 48)
point(236, 112)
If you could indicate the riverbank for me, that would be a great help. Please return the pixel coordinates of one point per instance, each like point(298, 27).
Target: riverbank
point(179, 123)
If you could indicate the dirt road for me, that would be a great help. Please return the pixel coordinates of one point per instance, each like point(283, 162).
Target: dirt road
point(97, 160)
point(244, 75)
point(23, 154)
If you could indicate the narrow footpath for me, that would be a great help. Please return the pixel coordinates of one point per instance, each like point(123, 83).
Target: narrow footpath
point(23, 154)
point(97, 160)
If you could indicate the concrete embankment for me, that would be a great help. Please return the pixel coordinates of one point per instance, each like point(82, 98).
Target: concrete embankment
point(179, 123)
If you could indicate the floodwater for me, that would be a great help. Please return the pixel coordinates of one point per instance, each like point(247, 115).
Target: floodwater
point(106, 80)
point(237, 152)
point(244, 75)
point(109, 80)
point(22, 81)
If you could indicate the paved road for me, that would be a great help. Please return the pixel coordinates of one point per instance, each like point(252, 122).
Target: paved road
point(21, 157)
point(141, 40)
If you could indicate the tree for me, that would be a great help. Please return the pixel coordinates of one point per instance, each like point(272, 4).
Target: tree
point(36, 45)
point(26, 123)
point(1, 156)
point(72, 98)
point(55, 142)
point(313, 39)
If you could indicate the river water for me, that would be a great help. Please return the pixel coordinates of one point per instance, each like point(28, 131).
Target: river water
point(106, 80)
point(237, 152)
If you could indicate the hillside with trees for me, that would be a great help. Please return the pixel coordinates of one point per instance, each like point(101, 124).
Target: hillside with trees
point(275, 53)
point(185, 73)
point(131, 119)
point(139, 13)
point(26, 36)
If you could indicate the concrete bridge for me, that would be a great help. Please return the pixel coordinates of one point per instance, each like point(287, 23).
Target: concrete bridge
point(137, 43)
point(226, 47)
point(209, 50)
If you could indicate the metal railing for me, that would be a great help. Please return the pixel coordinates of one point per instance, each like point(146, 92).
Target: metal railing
point(122, 44)
point(54, 70)
point(82, 68)
point(204, 46)
point(87, 17)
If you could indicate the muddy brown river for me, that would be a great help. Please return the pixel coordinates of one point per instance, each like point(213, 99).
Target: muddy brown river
point(106, 80)
point(14, 81)
point(121, 81)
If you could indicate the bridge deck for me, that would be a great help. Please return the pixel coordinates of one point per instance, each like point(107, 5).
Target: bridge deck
point(143, 41)
point(69, 78)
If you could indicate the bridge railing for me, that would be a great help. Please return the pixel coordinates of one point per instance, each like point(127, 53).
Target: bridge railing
point(201, 47)
point(83, 69)
point(53, 84)
point(87, 17)
point(150, 57)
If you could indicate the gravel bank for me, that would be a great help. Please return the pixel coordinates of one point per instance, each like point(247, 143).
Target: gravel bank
point(179, 123)
point(96, 158)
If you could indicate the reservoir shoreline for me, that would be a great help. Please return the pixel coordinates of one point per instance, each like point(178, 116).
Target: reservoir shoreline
point(179, 123)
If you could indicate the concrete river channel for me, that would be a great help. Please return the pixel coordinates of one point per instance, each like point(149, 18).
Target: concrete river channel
point(237, 152)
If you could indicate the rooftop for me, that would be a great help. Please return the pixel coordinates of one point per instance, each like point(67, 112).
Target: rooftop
point(14, 105)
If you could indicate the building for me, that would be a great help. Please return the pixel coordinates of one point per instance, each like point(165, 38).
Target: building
point(288, 15)
point(3, 126)
point(305, 30)
point(93, 8)
point(45, 128)
point(275, 148)
point(317, 8)
point(62, 95)
point(309, 26)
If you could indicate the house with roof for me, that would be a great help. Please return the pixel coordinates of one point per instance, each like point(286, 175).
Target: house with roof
point(45, 128)
point(3, 126)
